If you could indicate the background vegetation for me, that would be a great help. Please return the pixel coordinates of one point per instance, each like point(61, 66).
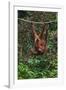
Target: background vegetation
point(41, 66)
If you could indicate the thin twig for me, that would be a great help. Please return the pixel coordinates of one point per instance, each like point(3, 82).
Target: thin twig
point(37, 22)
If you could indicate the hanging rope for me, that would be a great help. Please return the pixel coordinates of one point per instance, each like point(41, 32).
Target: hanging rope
point(36, 22)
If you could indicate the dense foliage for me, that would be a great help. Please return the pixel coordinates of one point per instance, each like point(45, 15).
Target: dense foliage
point(41, 66)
